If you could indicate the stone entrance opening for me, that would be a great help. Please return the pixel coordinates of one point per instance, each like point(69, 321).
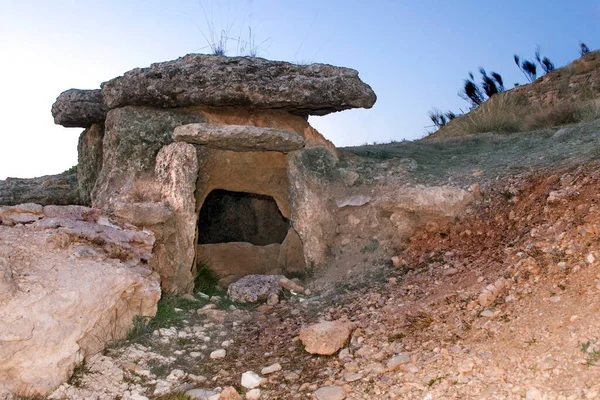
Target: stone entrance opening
point(227, 216)
point(243, 215)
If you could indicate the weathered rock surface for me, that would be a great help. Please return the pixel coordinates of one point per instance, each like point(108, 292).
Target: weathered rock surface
point(21, 214)
point(177, 172)
point(76, 108)
point(8, 288)
point(231, 261)
point(415, 207)
point(89, 160)
point(132, 138)
point(252, 83)
point(70, 295)
point(142, 214)
point(254, 288)
point(311, 171)
point(50, 189)
point(325, 337)
point(239, 137)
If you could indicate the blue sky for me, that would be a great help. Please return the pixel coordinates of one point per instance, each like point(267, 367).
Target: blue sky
point(414, 54)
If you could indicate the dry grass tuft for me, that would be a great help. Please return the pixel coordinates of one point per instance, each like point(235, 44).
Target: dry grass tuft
point(506, 114)
point(142, 190)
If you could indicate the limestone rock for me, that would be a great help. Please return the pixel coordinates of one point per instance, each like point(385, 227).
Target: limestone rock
point(239, 137)
point(177, 171)
point(79, 213)
point(142, 214)
point(271, 369)
point(291, 255)
point(330, 393)
point(311, 172)
point(251, 380)
point(202, 394)
point(21, 214)
point(290, 285)
point(89, 160)
point(50, 189)
point(253, 394)
point(79, 108)
point(326, 337)
point(254, 288)
point(131, 246)
point(248, 82)
point(229, 393)
point(132, 139)
point(66, 307)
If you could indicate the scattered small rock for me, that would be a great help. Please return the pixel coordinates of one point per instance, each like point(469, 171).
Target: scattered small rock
point(270, 369)
point(251, 380)
point(330, 393)
point(221, 353)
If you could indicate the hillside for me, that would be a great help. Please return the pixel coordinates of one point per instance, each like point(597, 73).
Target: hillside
point(563, 96)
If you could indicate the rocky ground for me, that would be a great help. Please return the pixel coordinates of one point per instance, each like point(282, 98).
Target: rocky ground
point(501, 304)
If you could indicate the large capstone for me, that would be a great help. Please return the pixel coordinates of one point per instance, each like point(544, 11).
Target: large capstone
point(244, 82)
point(76, 108)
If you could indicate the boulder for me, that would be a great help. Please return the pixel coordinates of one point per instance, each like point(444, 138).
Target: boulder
point(254, 288)
point(326, 337)
point(50, 189)
point(244, 82)
point(66, 302)
point(76, 108)
point(132, 138)
point(239, 137)
point(89, 160)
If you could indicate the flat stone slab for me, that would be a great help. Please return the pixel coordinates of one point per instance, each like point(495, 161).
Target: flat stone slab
point(244, 82)
point(76, 108)
point(239, 137)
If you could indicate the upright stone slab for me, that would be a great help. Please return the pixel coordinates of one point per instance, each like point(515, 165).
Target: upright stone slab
point(89, 160)
point(177, 171)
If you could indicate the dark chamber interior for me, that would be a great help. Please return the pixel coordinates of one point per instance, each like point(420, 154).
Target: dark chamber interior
point(240, 217)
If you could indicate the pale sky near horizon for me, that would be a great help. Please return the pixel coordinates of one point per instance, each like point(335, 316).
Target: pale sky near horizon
point(415, 55)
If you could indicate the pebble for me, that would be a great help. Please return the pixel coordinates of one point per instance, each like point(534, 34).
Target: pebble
point(221, 353)
point(398, 360)
point(487, 313)
point(253, 394)
point(202, 394)
point(270, 369)
point(330, 393)
point(533, 394)
point(251, 380)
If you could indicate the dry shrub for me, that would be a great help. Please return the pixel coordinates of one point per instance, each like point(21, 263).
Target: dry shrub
point(501, 113)
point(507, 113)
point(418, 322)
point(563, 114)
